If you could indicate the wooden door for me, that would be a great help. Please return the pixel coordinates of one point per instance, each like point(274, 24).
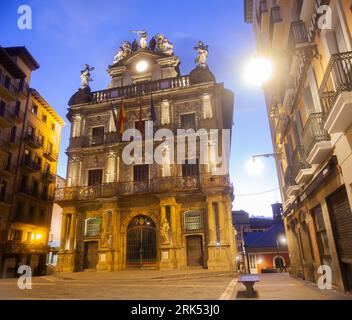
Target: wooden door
point(194, 251)
point(90, 255)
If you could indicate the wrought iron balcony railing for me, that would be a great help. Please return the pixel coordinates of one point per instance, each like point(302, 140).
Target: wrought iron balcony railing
point(141, 89)
point(337, 79)
point(299, 161)
point(314, 132)
point(31, 164)
point(7, 83)
point(156, 185)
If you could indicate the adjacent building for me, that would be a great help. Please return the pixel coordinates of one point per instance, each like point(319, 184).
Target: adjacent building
point(29, 143)
point(309, 104)
point(119, 215)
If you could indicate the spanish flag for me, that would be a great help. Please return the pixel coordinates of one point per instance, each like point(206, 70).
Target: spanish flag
point(122, 119)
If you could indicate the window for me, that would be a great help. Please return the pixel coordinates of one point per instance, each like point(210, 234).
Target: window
point(3, 187)
point(41, 139)
point(50, 147)
point(44, 118)
point(35, 187)
point(42, 218)
point(188, 121)
point(53, 127)
point(95, 177)
point(31, 214)
point(13, 134)
point(193, 221)
point(30, 131)
point(34, 109)
point(38, 160)
point(18, 212)
point(18, 108)
point(189, 169)
point(97, 135)
point(92, 227)
point(45, 192)
point(16, 235)
point(2, 107)
point(141, 173)
point(29, 236)
point(322, 238)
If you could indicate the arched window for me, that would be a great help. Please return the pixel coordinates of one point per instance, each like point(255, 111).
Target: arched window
point(193, 221)
point(92, 226)
point(279, 262)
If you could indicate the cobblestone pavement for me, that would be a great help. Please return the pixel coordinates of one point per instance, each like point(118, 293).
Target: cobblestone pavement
point(163, 285)
point(134, 285)
point(280, 286)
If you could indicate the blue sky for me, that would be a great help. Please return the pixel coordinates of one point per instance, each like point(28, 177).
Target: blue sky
point(67, 34)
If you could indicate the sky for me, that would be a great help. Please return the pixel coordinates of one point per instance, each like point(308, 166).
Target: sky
point(66, 34)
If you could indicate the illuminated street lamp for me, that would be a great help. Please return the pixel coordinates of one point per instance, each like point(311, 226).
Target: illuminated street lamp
point(258, 70)
point(280, 238)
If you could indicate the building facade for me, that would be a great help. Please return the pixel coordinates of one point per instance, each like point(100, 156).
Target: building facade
point(30, 136)
point(309, 104)
point(167, 215)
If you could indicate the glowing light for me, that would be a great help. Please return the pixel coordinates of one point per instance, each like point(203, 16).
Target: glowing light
point(142, 66)
point(38, 236)
point(260, 260)
point(283, 240)
point(258, 70)
point(254, 167)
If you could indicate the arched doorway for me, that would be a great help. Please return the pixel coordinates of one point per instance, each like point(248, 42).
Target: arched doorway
point(141, 243)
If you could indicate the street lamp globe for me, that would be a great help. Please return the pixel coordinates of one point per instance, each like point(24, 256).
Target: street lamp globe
point(258, 70)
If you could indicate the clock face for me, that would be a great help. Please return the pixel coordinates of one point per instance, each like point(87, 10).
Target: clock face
point(142, 66)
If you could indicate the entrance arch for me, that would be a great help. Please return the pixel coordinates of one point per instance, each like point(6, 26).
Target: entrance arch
point(141, 243)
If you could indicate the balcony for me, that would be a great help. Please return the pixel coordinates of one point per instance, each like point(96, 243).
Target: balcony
point(30, 165)
point(7, 169)
point(5, 198)
point(33, 141)
point(275, 17)
point(48, 177)
point(298, 34)
point(336, 93)
point(291, 187)
point(7, 88)
point(316, 140)
point(138, 90)
point(301, 169)
point(156, 185)
point(50, 155)
point(34, 193)
point(5, 115)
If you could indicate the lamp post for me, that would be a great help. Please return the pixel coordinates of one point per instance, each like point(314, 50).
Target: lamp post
point(283, 239)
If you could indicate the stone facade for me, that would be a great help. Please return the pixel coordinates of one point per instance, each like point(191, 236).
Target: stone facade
point(177, 215)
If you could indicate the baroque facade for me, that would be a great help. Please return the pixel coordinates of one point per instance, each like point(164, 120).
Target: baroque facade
point(119, 215)
point(309, 105)
point(30, 131)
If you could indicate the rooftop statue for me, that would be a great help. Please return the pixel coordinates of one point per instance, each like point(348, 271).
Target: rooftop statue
point(143, 38)
point(127, 49)
point(85, 76)
point(163, 45)
point(203, 53)
point(119, 55)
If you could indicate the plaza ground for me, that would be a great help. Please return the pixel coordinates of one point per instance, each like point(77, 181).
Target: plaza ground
point(159, 285)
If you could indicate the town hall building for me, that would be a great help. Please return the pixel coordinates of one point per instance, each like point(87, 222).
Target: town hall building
point(119, 215)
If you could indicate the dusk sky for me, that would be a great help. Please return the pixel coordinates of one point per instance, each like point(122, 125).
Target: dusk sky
point(68, 34)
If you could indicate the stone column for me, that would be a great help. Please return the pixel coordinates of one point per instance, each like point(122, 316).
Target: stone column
point(173, 224)
point(222, 222)
point(63, 232)
point(211, 222)
point(72, 232)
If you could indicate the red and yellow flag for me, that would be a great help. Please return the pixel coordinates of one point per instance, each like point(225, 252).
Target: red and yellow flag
point(122, 119)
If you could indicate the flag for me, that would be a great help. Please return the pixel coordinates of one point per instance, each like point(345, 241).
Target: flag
point(152, 109)
point(140, 121)
point(114, 117)
point(122, 119)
